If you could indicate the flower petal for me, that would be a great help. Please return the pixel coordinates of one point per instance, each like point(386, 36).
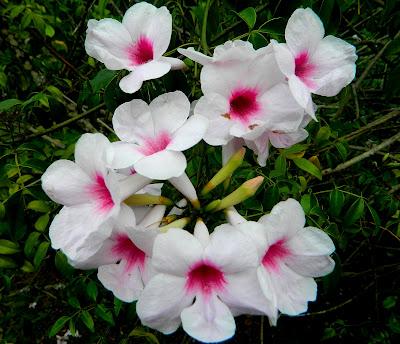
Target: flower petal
point(122, 154)
point(175, 251)
point(125, 284)
point(195, 56)
point(79, 231)
point(304, 31)
point(231, 250)
point(90, 153)
point(132, 120)
point(311, 266)
point(209, 321)
point(162, 165)
point(284, 140)
point(162, 301)
point(284, 57)
point(260, 147)
point(189, 134)
point(144, 19)
point(65, 183)
point(170, 111)
point(176, 64)
point(231, 148)
point(106, 41)
point(310, 241)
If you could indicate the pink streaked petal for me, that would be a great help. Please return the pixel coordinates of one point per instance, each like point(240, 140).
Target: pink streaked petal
point(122, 154)
point(151, 145)
point(204, 277)
point(244, 105)
point(275, 255)
point(141, 51)
point(304, 69)
point(101, 194)
point(125, 249)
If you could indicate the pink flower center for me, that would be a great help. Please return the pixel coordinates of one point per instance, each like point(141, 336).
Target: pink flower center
point(243, 104)
point(156, 144)
point(101, 194)
point(125, 249)
point(275, 253)
point(204, 277)
point(304, 69)
point(141, 51)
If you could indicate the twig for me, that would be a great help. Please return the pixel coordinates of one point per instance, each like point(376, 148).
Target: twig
point(353, 88)
point(363, 156)
point(60, 125)
point(105, 125)
point(365, 149)
point(55, 142)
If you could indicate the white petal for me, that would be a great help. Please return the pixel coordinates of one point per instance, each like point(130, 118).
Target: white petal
point(284, 57)
point(153, 218)
point(175, 251)
point(189, 134)
point(293, 291)
point(244, 295)
point(201, 233)
point(284, 140)
point(231, 250)
point(79, 231)
point(302, 94)
point(65, 183)
point(170, 111)
point(233, 217)
point(208, 321)
point(132, 120)
point(132, 184)
point(304, 31)
point(122, 154)
point(335, 66)
point(144, 238)
point(311, 266)
point(195, 56)
point(107, 41)
point(90, 151)
point(152, 22)
point(176, 64)
point(286, 219)
point(162, 301)
point(125, 284)
point(257, 234)
point(162, 165)
point(311, 241)
point(260, 147)
point(148, 71)
point(234, 50)
point(268, 289)
point(184, 186)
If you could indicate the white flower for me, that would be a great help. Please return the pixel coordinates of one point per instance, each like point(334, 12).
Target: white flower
point(92, 196)
point(124, 259)
point(290, 255)
point(245, 97)
point(154, 136)
point(137, 44)
point(216, 271)
point(311, 62)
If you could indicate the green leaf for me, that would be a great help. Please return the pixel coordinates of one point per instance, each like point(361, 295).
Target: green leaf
point(8, 247)
point(31, 243)
point(49, 30)
point(87, 320)
point(140, 332)
point(61, 263)
point(39, 206)
point(280, 165)
point(28, 267)
point(41, 222)
point(40, 253)
point(117, 306)
point(74, 302)
point(258, 40)
point(355, 212)
point(336, 202)
point(308, 166)
point(105, 314)
point(390, 302)
point(102, 79)
point(8, 104)
point(249, 15)
point(7, 263)
point(58, 325)
point(297, 148)
point(2, 210)
point(91, 290)
point(323, 134)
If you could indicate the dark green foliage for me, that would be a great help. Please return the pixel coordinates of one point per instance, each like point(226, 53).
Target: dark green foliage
point(47, 81)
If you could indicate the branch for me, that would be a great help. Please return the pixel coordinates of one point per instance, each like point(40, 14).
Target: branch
point(362, 156)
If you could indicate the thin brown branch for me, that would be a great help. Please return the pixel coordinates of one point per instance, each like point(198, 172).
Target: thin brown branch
point(362, 156)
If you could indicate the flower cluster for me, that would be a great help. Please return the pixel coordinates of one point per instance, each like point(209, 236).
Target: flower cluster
point(114, 217)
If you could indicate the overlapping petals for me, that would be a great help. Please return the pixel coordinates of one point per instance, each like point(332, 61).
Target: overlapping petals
point(211, 270)
point(92, 196)
point(137, 44)
point(311, 62)
point(154, 136)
